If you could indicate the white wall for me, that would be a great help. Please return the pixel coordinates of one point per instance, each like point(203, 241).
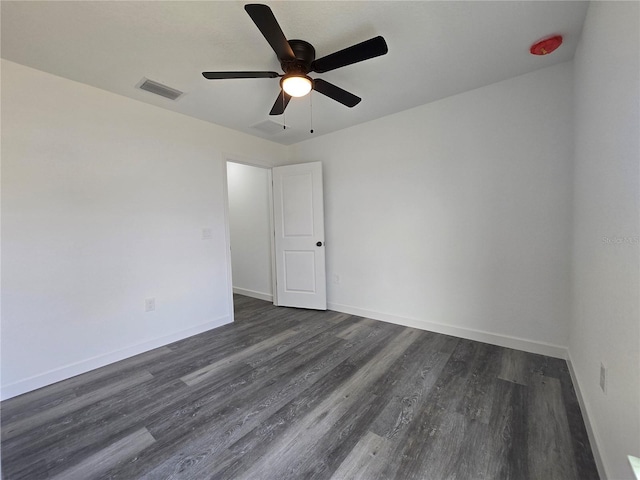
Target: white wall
point(455, 216)
point(606, 244)
point(103, 204)
point(250, 230)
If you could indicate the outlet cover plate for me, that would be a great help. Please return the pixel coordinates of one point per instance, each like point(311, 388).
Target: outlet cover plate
point(149, 304)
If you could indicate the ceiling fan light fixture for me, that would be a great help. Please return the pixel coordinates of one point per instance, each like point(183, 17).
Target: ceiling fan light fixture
point(296, 85)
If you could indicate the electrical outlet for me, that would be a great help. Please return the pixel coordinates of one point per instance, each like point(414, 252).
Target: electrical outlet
point(603, 377)
point(149, 304)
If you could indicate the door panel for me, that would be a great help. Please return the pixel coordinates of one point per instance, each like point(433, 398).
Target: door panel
point(297, 218)
point(299, 272)
point(299, 227)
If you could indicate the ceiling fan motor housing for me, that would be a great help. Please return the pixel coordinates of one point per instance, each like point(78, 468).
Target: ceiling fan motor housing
point(304, 53)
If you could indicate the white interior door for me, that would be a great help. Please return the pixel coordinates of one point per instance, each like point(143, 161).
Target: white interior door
point(299, 236)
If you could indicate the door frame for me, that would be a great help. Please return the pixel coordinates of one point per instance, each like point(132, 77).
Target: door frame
point(251, 162)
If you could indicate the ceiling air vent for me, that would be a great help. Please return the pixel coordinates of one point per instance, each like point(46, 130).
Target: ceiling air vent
point(159, 89)
point(269, 127)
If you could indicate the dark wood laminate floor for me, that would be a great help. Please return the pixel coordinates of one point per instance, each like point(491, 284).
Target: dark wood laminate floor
point(291, 394)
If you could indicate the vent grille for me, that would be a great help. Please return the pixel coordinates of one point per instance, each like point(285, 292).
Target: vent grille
point(159, 89)
point(269, 127)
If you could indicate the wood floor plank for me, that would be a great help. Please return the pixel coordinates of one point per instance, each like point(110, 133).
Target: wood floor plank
point(550, 450)
point(18, 427)
point(210, 370)
point(584, 460)
point(284, 393)
point(557, 368)
point(365, 459)
point(44, 398)
point(337, 317)
point(354, 329)
point(490, 451)
point(514, 366)
point(419, 377)
point(68, 437)
point(194, 356)
point(474, 452)
point(108, 457)
point(436, 415)
point(478, 397)
point(507, 435)
point(260, 352)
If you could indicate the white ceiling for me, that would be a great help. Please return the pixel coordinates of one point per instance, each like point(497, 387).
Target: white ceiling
point(436, 49)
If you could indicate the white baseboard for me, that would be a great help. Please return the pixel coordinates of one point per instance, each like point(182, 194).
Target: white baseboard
point(83, 366)
point(531, 346)
point(591, 432)
point(253, 294)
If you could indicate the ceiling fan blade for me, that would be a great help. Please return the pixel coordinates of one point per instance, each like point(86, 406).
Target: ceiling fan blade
point(336, 93)
point(224, 75)
point(374, 47)
point(266, 22)
point(280, 104)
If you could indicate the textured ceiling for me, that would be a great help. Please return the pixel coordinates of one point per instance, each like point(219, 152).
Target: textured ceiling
point(436, 49)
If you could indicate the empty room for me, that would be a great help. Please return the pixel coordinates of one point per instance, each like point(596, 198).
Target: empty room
point(320, 239)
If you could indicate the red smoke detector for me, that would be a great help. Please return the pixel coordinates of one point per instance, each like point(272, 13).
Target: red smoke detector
point(546, 46)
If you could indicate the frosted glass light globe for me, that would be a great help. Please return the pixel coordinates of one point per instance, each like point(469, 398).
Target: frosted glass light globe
point(296, 86)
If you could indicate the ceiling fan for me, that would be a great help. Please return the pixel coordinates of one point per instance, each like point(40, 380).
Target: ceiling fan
point(298, 58)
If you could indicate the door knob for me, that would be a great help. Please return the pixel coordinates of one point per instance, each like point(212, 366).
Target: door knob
point(319, 244)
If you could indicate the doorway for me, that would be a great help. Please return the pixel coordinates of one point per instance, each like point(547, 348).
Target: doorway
point(251, 230)
point(277, 253)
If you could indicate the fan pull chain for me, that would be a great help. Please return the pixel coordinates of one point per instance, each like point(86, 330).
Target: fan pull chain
point(284, 113)
point(311, 112)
